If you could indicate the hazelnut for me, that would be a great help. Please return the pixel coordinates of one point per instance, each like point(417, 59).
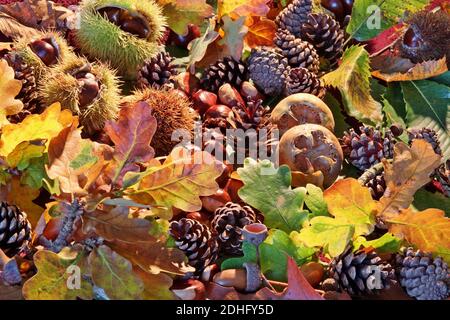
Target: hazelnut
point(215, 201)
point(229, 96)
point(309, 148)
point(301, 108)
point(203, 100)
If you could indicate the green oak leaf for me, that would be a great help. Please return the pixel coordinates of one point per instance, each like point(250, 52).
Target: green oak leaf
point(54, 272)
point(269, 190)
point(315, 201)
point(424, 199)
point(35, 173)
point(388, 243)
point(428, 105)
point(332, 234)
point(352, 78)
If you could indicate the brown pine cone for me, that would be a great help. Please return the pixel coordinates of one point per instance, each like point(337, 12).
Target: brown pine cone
point(300, 80)
point(294, 15)
point(156, 71)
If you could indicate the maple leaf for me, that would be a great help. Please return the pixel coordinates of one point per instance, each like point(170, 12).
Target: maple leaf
point(260, 33)
point(116, 224)
point(428, 230)
point(233, 40)
point(43, 126)
point(131, 134)
point(178, 182)
point(180, 13)
point(51, 279)
point(9, 89)
point(113, 273)
point(242, 8)
point(410, 170)
point(350, 202)
point(399, 69)
point(269, 190)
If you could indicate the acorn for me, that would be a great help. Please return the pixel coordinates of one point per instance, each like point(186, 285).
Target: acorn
point(123, 33)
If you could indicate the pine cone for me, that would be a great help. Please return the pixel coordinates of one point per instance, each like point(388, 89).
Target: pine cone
point(374, 180)
point(227, 70)
point(299, 53)
point(196, 241)
point(228, 222)
point(29, 93)
point(429, 135)
point(267, 68)
point(442, 177)
point(423, 277)
point(360, 272)
point(300, 80)
point(156, 71)
point(366, 149)
point(293, 16)
point(15, 229)
point(325, 34)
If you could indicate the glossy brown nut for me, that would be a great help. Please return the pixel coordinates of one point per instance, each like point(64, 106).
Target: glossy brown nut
point(336, 7)
point(187, 82)
point(313, 272)
point(225, 176)
point(217, 111)
point(111, 13)
point(215, 201)
point(203, 100)
point(199, 216)
point(250, 92)
point(52, 229)
point(229, 96)
point(136, 26)
point(45, 51)
point(89, 90)
point(232, 188)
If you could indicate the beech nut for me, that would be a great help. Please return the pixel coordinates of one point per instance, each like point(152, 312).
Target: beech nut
point(187, 82)
point(215, 201)
point(301, 108)
point(229, 96)
point(203, 100)
point(309, 148)
point(189, 290)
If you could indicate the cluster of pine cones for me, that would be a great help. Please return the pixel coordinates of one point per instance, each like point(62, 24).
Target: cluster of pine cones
point(222, 235)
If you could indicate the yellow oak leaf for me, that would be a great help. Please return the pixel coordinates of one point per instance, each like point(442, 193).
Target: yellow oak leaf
point(9, 89)
point(37, 126)
point(239, 8)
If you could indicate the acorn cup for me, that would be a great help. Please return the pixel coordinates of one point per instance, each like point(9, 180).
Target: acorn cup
point(90, 91)
point(123, 33)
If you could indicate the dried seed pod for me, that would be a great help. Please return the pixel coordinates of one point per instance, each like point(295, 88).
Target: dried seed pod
point(309, 148)
point(301, 108)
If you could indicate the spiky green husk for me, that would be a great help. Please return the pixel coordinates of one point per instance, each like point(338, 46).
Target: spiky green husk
point(21, 46)
point(172, 113)
point(59, 86)
point(103, 40)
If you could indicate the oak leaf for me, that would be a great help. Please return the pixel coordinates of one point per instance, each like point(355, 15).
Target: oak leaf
point(199, 47)
point(242, 8)
point(260, 33)
point(131, 134)
point(410, 170)
point(9, 89)
point(428, 230)
point(156, 286)
point(22, 155)
point(50, 282)
point(113, 273)
point(37, 126)
point(177, 182)
point(233, 41)
point(350, 202)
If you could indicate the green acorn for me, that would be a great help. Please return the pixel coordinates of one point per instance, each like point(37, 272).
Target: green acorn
point(123, 33)
point(43, 51)
point(90, 91)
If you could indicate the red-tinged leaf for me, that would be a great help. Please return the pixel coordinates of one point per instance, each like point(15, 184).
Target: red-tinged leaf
point(131, 134)
point(240, 8)
point(260, 33)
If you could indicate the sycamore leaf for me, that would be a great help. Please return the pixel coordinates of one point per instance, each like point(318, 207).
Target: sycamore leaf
point(113, 273)
point(9, 89)
point(350, 202)
point(387, 243)
point(352, 79)
point(131, 134)
point(233, 40)
point(428, 105)
point(52, 278)
point(178, 182)
point(24, 152)
point(410, 170)
point(428, 230)
point(180, 13)
point(390, 71)
point(116, 224)
point(242, 8)
point(371, 17)
point(269, 190)
point(199, 46)
point(260, 33)
point(37, 126)
point(332, 234)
